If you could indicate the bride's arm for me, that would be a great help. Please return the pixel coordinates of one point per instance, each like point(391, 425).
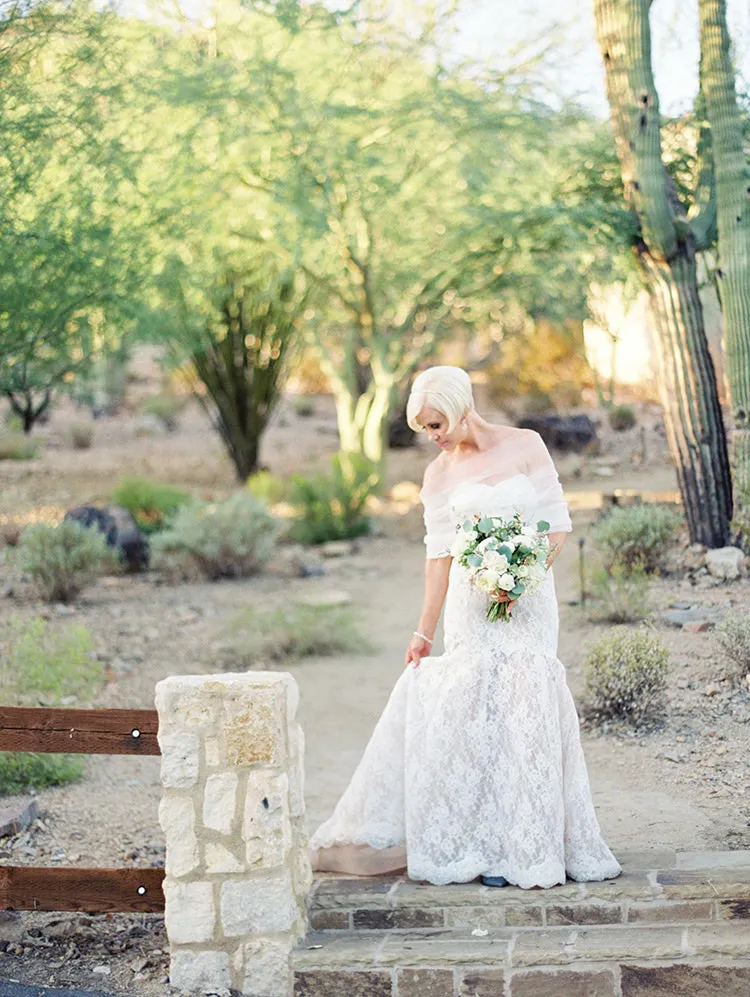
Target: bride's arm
point(436, 571)
point(556, 541)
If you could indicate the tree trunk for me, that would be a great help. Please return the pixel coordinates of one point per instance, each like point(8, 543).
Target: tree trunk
point(363, 422)
point(692, 414)
point(666, 247)
point(733, 216)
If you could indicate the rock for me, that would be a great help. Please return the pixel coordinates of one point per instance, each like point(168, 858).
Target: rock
point(725, 562)
point(681, 605)
point(338, 548)
point(101, 970)
point(149, 425)
point(605, 472)
point(693, 557)
point(711, 690)
point(572, 433)
point(11, 926)
point(698, 626)
point(120, 531)
point(683, 617)
point(400, 433)
point(330, 598)
point(310, 570)
point(16, 814)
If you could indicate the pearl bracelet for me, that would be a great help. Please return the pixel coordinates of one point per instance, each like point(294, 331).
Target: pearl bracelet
point(422, 636)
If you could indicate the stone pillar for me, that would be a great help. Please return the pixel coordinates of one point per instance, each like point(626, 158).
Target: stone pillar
point(232, 811)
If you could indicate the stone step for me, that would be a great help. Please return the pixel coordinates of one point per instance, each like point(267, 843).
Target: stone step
point(624, 960)
point(678, 894)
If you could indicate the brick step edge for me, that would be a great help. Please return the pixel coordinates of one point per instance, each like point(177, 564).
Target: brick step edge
point(522, 948)
point(352, 895)
point(543, 914)
point(699, 979)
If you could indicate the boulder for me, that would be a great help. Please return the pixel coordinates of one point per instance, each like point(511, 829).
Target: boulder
point(400, 433)
point(725, 562)
point(568, 433)
point(120, 531)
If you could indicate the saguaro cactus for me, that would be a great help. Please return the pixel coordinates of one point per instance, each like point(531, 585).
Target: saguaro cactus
point(732, 181)
point(666, 247)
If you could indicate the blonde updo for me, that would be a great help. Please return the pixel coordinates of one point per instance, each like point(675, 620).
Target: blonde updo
point(445, 389)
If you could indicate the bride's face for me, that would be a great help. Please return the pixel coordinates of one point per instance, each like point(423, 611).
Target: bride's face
point(435, 424)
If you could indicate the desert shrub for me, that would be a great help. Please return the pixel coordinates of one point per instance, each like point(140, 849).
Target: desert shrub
point(626, 675)
point(733, 636)
point(229, 539)
point(39, 665)
point(290, 632)
point(267, 487)
point(167, 408)
point(81, 435)
point(619, 595)
point(636, 536)
point(61, 560)
point(333, 507)
point(541, 368)
point(621, 417)
point(16, 446)
point(21, 771)
point(304, 406)
point(151, 503)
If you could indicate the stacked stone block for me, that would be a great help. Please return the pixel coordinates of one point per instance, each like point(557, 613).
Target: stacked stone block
point(232, 812)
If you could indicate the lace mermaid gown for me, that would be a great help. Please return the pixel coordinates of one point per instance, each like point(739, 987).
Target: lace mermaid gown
point(475, 766)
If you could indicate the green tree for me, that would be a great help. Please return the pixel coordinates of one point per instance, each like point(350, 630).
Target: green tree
point(665, 250)
point(235, 339)
point(732, 179)
point(69, 252)
point(420, 198)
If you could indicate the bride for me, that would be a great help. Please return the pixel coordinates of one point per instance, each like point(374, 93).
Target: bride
point(475, 768)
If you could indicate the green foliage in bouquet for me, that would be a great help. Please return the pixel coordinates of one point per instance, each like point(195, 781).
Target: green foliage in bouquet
point(333, 507)
point(485, 539)
point(637, 537)
point(61, 560)
point(151, 503)
point(230, 539)
point(626, 676)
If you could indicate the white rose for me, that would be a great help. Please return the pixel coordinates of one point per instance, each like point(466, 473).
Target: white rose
point(485, 582)
point(506, 582)
point(528, 531)
point(496, 562)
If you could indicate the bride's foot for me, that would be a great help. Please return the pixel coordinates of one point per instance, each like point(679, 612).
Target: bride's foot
point(495, 881)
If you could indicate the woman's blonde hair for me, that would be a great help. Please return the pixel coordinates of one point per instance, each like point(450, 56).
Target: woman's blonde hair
point(446, 389)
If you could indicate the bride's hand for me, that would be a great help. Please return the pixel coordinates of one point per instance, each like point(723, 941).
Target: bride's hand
point(418, 648)
point(503, 597)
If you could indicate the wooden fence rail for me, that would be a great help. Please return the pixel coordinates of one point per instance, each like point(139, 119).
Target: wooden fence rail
point(87, 732)
point(83, 732)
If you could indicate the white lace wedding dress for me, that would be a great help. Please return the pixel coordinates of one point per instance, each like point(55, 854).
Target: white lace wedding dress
point(475, 766)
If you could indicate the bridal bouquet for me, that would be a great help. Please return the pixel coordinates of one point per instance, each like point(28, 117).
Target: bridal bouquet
point(503, 555)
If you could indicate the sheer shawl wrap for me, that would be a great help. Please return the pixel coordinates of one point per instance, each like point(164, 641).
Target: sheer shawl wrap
point(522, 452)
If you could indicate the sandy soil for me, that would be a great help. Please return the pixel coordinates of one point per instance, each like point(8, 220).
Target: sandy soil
point(684, 785)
